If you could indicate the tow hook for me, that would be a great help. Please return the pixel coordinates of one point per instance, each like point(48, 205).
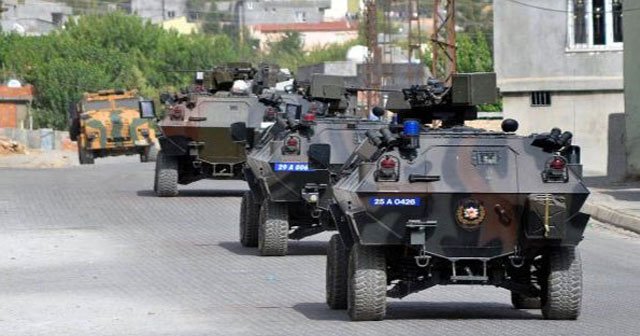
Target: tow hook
point(311, 193)
point(422, 259)
point(516, 259)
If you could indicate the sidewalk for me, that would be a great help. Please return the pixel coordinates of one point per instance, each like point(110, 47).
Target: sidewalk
point(615, 203)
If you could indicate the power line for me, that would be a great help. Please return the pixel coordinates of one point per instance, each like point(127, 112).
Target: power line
point(555, 10)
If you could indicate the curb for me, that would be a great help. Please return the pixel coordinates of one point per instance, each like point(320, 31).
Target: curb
point(612, 217)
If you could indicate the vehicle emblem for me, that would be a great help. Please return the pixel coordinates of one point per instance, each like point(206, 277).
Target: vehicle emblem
point(470, 214)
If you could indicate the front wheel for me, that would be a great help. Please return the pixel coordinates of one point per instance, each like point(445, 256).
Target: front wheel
point(85, 156)
point(367, 286)
point(249, 220)
point(337, 273)
point(562, 294)
point(166, 179)
point(273, 234)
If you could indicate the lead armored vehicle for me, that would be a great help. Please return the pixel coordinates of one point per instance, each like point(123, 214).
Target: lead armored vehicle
point(110, 123)
point(284, 194)
point(196, 137)
point(419, 207)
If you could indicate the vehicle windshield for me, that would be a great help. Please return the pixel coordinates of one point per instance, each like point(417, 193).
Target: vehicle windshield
point(129, 103)
point(97, 105)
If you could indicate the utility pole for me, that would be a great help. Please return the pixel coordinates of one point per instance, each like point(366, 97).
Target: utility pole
point(414, 37)
point(374, 56)
point(444, 40)
point(164, 11)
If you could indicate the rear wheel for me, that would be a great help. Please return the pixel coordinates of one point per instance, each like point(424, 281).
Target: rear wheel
point(367, 284)
point(273, 233)
point(85, 156)
point(562, 293)
point(249, 220)
point(166, 179)
point(337, 273)
point(144, 156)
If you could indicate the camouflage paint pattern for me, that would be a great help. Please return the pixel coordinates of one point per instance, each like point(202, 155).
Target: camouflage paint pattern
point(499, 172)
point(115, 129)
point(208, 122)
point(344, 134)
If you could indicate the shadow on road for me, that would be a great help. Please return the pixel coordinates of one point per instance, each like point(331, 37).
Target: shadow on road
point(426, 311)
point(198, 193)
point(296, 248)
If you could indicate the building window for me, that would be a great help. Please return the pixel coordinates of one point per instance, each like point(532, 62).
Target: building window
point(194, 16)
point(540, 98)
point(171, 14)
point(595, 24)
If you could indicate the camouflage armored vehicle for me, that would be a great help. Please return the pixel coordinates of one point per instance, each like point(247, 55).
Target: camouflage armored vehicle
point(196, 134)
point(419, 207)
point(110, 123)
point(284, 194)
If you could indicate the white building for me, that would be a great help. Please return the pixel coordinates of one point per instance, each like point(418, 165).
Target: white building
point(33, 17)
point(560, 64)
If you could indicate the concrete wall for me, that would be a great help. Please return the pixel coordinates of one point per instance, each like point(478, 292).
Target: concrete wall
point(632, 84)
point(32, 17)
point(532, 54)
point(585, 114)
point(44, 139)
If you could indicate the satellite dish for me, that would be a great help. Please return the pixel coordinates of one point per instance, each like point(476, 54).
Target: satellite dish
point(14, 83)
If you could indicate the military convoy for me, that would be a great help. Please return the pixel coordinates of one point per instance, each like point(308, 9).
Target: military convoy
point(110, 123)
point(414, 206)
point(418, 207)
point(196, 135)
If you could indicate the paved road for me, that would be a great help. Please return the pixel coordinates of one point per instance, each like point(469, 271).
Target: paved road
point(90, 251)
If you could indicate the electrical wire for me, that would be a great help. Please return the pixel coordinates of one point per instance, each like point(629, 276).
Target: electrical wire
point(555, 10)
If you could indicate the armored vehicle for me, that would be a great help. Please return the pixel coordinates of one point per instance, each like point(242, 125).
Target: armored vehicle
point(419, 207)
point(284, 194)
point(196, 137)
point(109, 123)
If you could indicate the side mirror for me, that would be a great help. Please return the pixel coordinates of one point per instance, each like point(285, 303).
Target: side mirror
point(147, 109)
point(239, 132)
point(319, 156)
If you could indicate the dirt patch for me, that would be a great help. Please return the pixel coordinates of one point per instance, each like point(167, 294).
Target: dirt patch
point(8, 146)
point(39, 159)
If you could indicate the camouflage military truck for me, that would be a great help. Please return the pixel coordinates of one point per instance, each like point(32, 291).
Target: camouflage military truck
point(196, 131)
point(284, 194)
point(419, 207)
point(110, 123)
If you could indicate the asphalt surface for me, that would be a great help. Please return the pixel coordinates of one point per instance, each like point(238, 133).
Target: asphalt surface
point(90, 251)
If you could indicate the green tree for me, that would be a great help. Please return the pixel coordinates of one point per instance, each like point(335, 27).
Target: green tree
point(107, 51)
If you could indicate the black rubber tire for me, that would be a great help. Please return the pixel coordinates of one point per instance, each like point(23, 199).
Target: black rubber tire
point(273, 233)
point(144, 157)
point(166, 179)
point(85, 156)
point(562, 296)
point(152, 152)
point(521, 301)
point(367, 284)
point(249, 220)
point(337, 273)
